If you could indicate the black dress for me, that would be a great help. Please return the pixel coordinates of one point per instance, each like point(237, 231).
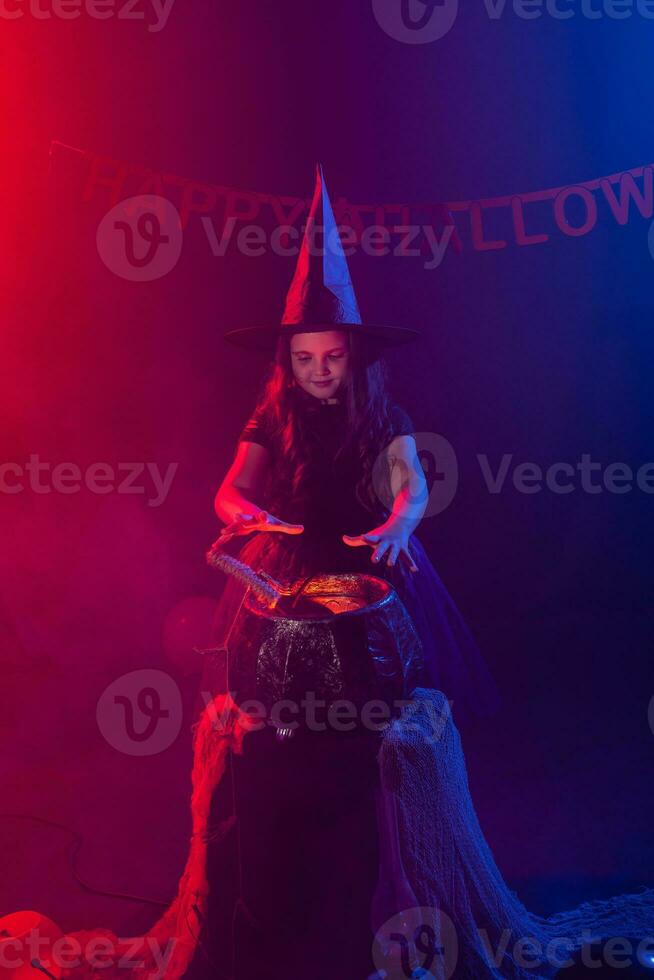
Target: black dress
point(330, 507)
point(291, 882)
point(453, 662)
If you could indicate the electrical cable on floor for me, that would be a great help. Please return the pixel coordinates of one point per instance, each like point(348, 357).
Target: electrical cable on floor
point(201, 944)
point(72, 858)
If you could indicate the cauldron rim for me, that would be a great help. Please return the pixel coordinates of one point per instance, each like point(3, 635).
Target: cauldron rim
point(386, 589)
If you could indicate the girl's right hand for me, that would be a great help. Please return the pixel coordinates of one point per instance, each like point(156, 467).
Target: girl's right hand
point(261, 521)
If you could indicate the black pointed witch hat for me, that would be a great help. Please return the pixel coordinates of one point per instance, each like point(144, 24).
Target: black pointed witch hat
point(321, 295)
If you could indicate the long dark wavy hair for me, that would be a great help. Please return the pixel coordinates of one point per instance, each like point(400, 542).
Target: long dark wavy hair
point(368, 429)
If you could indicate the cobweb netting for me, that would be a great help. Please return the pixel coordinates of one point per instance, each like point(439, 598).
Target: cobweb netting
point(168, 947)
point(476, 919)
point(451, 869)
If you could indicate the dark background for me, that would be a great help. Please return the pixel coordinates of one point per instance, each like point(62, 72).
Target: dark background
point(543, 352)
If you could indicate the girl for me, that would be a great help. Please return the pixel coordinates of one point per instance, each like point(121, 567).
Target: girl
point(326, 479)
point(336, 465)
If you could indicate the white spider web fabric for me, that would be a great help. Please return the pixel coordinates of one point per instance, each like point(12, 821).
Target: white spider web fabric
point(451, 868)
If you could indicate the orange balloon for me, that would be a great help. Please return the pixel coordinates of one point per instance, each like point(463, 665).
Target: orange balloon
point(26, 937)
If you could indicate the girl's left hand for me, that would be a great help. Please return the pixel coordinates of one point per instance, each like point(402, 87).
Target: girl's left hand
point(387, 542)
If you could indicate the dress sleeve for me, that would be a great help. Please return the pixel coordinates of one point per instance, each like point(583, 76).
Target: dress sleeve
point(257, 430)
point(401, 422)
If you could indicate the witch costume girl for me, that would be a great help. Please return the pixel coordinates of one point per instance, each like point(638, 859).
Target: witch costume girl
point(330, 503)
point(344, 843)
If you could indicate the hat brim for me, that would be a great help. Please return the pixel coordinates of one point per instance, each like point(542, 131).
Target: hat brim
point(265, 338)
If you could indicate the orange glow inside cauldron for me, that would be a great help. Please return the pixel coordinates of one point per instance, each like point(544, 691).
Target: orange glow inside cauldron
point(325, 596)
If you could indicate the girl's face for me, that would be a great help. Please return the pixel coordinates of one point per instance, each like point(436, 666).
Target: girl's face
point(320, 361)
